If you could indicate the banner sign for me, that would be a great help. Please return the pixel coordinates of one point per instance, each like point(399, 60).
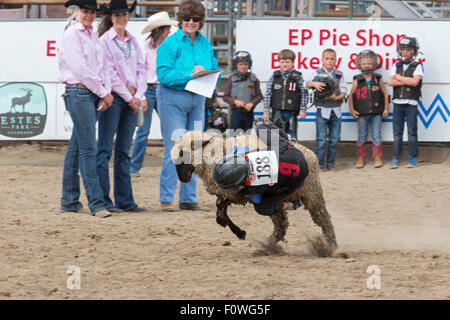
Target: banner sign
point(308, 38)
point(31, 106)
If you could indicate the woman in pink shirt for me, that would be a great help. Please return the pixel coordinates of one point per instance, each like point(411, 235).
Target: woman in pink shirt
point(159, 27)
point(82, 69)
point(126, 67)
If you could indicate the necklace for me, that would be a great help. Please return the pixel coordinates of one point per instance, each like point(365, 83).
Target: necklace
point(126, 52)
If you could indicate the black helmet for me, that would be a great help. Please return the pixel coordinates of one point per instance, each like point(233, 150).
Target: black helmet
point(408, 42)
point(329, 86)
point(231, 171)
point(219, 120)
point(367, 54)
point(242, 56)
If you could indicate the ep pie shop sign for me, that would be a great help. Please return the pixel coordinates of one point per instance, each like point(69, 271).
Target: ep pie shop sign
point(23, 109)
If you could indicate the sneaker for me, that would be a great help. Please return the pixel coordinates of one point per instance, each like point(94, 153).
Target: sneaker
point(102, 214)
point(114, 210)
point(412, 163)
point(323, 169)
point(330, 167)
point(193, 207)
point(167, 207)
point(394, 163)
point(134, 174)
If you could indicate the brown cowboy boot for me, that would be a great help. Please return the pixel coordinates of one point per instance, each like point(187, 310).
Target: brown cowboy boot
point(376, 152)
point(361, 156)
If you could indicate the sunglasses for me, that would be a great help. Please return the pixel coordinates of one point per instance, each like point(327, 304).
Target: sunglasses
point(195, 19)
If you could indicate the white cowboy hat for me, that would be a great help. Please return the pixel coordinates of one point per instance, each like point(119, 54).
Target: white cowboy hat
point(157, 20)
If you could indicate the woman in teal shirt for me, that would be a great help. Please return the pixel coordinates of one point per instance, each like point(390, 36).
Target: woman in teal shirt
point(179, 56)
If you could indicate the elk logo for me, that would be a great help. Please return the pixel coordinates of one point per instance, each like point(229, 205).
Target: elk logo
point(23, 109)
point(21, 100)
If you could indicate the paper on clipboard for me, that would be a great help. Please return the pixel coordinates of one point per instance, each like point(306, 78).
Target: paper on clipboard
point(205, 84)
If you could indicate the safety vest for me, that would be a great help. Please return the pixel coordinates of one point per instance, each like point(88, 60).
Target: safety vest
point(407, 92)
point(243, 88)
point(336, 75)
point(368, 99)
point(286, 94)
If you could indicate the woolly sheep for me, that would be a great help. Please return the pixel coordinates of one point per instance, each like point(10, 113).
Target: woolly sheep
point(198, 152)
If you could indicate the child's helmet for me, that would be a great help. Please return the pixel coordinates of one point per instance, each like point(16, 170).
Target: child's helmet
point(242, 56)
point(329, 86)
point(219, 120)
point(231, 171)
point(408, 42)
point(367, 54)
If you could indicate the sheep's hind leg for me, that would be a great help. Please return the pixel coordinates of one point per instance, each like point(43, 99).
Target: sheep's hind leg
point(224, 220)
point(321, 217)
point(280, 226)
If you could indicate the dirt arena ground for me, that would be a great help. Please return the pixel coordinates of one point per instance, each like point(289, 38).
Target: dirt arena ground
point(393, 221)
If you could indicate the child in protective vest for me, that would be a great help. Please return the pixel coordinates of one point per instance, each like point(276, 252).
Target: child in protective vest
point(406, 78)
point(368, 102)
point(285, 95)
point(329, 113)
point(242, 92)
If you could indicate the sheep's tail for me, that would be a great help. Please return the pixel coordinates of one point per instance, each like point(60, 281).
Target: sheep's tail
point(280, 226)
point(322, 218)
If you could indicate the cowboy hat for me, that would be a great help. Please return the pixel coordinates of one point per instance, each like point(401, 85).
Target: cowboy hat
point(158, 20)
point(83, 4)
point(116, 6)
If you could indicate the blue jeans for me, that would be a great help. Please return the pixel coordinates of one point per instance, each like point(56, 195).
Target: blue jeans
point(141, 138)
point(118, 120)
point(241, 119)
point(402, 112)
point(178, 110)
point(81, 153)
point(331, 129)
point(374, 121)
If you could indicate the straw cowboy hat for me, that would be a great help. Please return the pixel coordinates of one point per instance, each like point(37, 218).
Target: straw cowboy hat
point(158, 20)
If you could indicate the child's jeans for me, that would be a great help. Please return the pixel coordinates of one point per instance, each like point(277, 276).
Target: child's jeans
point(241, 119)
point(283, 120)
point(330, 128)
point(372, 120)
point(402, 112)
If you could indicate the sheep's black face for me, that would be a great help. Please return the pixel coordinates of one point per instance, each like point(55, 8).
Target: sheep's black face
point(184, 170)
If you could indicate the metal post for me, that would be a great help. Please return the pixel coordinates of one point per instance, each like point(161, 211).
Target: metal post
point(240, 8)
point(293, 8)
point(209, 25)
point(350, 10)
point(259, 8)
point(230, 35)
point(34, 12)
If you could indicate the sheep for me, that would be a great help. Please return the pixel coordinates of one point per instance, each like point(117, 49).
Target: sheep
point(198, 152)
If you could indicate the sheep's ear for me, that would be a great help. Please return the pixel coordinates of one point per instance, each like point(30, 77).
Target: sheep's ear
point(200, 141)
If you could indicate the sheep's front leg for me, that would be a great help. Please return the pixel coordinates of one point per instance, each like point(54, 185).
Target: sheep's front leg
point(221, 205)
point(280, 226)
point(224, 220)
